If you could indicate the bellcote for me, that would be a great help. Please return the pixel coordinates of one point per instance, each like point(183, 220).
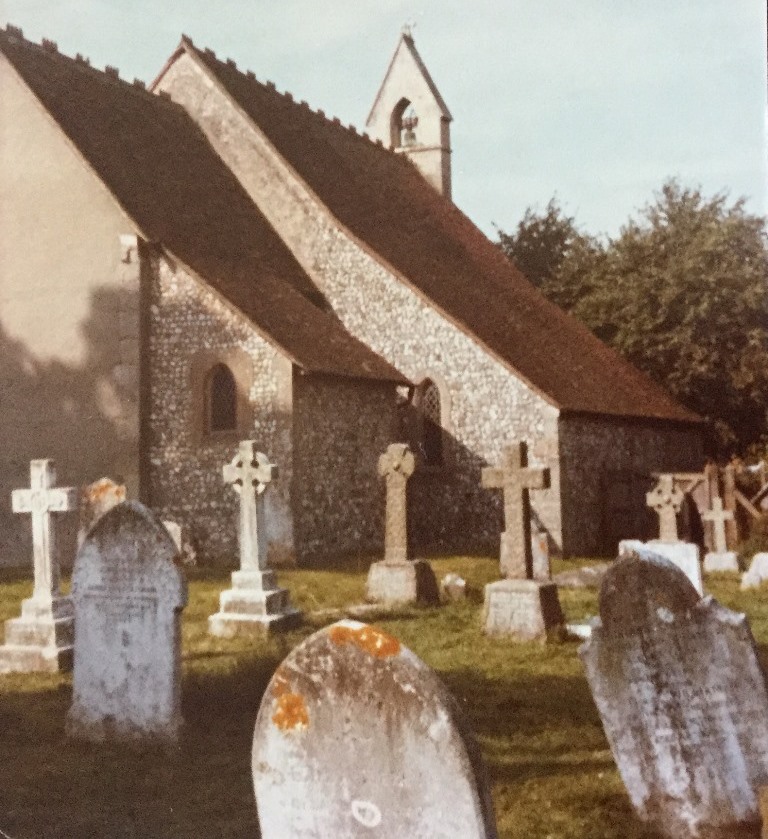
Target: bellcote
point(410, 116)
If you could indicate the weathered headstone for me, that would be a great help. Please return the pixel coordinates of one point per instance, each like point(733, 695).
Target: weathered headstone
point(685, 555)
point(255, 605)
point(516, 478)
point(721, 559)
point(524, 606)
point(683, 701)
point(41, 639)
point(96, 499)
point(396, 579)
point(757, 573)
point(453, 588)
point(357, 737)
point(128, 595)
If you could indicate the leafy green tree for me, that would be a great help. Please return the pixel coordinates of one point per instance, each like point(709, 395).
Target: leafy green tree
point(681, 293)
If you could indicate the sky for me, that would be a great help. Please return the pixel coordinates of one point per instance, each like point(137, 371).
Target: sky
point(596, 102)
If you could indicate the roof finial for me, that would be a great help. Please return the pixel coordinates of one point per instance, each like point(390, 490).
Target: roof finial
point(407, 30)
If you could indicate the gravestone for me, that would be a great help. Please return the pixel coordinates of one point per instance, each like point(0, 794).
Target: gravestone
point(397, 579)
point(685, 555)
point(255, 605)
point(757, 573)
point(666, 500)
point(524, 606)
point(128, 595)
point(721, 559)
point(183, 542)
point(682, 699)
point(356, 737)
point(96, 499)
point(41, 639)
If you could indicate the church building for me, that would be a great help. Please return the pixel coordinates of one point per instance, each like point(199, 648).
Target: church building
point(208, 260)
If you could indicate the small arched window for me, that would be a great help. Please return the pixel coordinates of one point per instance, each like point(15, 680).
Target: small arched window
point(221, 399)
point(430, 412)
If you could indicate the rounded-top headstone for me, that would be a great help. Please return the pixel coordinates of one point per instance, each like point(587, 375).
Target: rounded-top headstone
point(357, 737)
point(637, 586)
point(127, 594)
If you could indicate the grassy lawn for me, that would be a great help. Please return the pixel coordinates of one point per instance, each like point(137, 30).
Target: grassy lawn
point(551, 771)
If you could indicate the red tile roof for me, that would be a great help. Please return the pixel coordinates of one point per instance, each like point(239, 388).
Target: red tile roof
point(163, 172)
point(384, 201)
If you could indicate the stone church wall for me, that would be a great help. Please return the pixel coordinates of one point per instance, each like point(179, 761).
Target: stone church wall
point(341, 426)
point(606, 466)
point(184, 464)
point(489, 405)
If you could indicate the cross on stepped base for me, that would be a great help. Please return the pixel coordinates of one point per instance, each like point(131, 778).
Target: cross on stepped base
point(255, 605)
point(41, 639)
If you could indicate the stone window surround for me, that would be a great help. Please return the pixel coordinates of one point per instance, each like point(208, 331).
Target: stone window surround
point(448, 461)
point(240, 364)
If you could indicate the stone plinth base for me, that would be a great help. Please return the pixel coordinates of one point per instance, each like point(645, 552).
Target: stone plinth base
point(683, 554)
point(727, 561)
point(524, 610)
point(41, 640)
point(254, 606)
point(402, 582)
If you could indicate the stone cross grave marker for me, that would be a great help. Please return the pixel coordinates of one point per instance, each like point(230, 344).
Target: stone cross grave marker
point(128, 595)
point(41, 639)
point(357, 737)
point(397, 579)
point(255, 605)
point(666, 499)
point(718, 516)
point(516, 478)
point(682, 699)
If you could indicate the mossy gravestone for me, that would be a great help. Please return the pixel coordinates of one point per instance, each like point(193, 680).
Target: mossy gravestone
point(682, 699)
point(356, 737)
point(128, 596)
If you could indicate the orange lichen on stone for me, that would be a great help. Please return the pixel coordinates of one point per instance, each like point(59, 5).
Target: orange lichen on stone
point(280, 684)
point(367, 638)
point(97, 491)
point(291, 712)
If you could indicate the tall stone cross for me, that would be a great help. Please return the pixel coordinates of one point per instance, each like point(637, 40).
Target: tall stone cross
point(42, 499)
point(666, 499)
point(718, 516)
point(396, 465)
point(516, 478)
point(249, 473)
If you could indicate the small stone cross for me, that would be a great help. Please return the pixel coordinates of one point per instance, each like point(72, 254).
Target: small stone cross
point(249, 473)
point(718, 516)
point(41, 500)
point(515, 478)
point(396, 465)
point(666, 499)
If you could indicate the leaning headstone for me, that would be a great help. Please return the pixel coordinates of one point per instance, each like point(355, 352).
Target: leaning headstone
point(453, 588)
point(41, 639)
point(525, 606)
point(685, 555)
point(255, 605)
point(128, 595)
point(96, 499)
point(721, 559)
point(683, 701)
point(757, 573)
point(398, 579)
point(357, 737)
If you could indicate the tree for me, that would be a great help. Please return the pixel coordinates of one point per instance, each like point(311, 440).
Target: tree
point(681, 293)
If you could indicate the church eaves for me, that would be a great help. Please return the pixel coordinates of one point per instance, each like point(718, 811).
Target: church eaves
point(163, 173)
point(381, 199)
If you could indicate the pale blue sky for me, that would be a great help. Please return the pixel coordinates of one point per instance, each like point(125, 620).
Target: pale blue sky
point(598, 101)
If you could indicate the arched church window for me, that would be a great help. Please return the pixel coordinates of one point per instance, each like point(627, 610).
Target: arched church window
point(403, 124)
point(431, 423)
point(221, 398)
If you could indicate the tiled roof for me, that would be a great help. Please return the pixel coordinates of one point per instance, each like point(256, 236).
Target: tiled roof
point(384, 201)
point(162, 171)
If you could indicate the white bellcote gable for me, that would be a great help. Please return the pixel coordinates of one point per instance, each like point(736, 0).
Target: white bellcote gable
point(410, 116)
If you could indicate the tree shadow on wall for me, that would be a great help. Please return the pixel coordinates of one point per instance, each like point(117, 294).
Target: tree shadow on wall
point(59, 407)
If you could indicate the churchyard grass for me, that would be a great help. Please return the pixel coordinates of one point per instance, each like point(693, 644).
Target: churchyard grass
point(551, 772)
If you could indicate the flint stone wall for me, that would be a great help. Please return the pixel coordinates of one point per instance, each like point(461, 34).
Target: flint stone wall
point(606, 464)
point(490, 406)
